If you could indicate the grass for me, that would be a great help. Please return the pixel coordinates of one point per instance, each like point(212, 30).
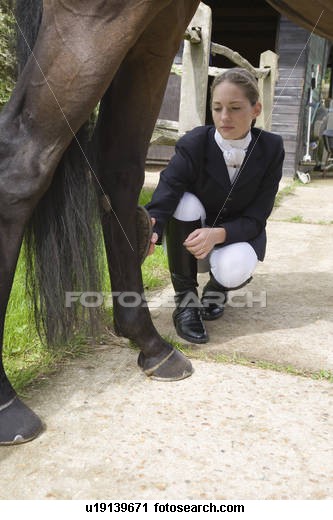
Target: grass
point(296, 218)
point(287, 190)
point(320, 375)
point(24, 356)
point(155, 272)
point(300, 220)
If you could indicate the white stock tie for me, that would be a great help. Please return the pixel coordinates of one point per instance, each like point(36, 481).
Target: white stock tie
point(234, 151)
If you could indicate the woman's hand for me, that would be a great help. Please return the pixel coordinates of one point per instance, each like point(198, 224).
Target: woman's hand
point(201, 241)
point(153, 239)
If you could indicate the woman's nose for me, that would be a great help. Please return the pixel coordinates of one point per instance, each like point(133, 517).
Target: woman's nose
point(224, 113)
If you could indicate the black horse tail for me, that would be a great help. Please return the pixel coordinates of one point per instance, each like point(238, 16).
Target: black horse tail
point(63, 238)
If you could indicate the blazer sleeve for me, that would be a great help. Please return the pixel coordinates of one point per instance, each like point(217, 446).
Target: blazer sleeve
point(254, 217)
point(177, 178)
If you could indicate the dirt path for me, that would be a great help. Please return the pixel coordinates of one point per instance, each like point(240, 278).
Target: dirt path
point(229, 431)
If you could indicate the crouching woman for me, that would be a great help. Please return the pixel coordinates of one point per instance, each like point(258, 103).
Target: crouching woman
point(213, 200)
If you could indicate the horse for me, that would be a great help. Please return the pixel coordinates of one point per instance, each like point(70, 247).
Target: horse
point(80, 53)
point(74, 55)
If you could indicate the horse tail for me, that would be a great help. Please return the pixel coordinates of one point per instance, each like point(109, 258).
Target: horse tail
point(63, 238)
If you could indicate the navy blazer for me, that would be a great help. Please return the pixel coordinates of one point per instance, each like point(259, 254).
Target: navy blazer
point(242, 208)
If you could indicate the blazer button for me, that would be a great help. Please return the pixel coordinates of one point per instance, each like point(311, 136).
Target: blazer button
point(224, 211)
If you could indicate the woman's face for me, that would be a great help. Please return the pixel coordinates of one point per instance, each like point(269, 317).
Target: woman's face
point(232, 111)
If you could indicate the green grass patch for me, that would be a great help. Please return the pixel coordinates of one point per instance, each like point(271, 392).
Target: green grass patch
point(320, 375)
point(155, 272)
point(300, 220)
point(296, 218)
point(24, 356)
point(145, 196)
point(286, 191)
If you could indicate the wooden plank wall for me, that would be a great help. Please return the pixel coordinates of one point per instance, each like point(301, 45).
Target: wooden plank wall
point(298, 51)
point(288, 99)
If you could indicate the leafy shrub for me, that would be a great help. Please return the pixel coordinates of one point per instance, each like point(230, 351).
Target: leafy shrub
point(7, 58)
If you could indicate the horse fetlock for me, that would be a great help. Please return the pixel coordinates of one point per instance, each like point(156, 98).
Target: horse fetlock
point(140, 329)
point(127, 327)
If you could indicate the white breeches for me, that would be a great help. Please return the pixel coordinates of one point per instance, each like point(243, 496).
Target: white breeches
point(231, 265)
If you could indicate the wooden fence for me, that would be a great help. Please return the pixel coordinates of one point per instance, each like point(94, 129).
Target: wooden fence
point(195, 71)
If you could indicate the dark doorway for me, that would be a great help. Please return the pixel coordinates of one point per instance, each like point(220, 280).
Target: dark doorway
point(249, 28)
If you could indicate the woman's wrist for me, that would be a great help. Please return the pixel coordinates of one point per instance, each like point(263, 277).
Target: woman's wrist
point(220, 235)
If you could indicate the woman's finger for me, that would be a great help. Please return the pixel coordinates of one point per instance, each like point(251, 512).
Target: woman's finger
point(193, 236)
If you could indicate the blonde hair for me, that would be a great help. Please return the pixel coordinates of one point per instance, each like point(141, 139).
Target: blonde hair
point(243, 79)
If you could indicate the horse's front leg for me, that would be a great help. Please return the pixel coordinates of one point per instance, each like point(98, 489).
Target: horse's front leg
point(132, 319)
point(127, 115)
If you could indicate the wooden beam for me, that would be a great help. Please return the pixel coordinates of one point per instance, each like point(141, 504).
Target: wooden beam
point(216, 71)
point(235, 57)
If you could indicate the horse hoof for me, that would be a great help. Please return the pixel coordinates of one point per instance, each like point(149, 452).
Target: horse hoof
point(18, 423)
point(172, 367)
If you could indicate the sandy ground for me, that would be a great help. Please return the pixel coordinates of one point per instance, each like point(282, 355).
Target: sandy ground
point(227, 432)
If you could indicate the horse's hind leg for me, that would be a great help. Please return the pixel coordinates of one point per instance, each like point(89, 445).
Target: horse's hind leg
point(17, 422)
point(127, 115)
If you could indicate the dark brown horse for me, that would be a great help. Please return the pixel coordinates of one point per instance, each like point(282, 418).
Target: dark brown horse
point(119, 52)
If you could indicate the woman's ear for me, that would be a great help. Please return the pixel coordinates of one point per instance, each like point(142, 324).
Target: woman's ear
point(257, 109)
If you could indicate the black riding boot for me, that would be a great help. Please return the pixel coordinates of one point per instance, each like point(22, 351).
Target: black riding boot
point(214, 297)
point(183, 269)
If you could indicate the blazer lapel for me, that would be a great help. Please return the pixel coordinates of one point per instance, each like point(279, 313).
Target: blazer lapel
point(252, 160)
point(215, 163)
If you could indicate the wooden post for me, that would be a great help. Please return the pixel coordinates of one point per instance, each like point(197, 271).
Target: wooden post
point(266, 89)
point(193, 96)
